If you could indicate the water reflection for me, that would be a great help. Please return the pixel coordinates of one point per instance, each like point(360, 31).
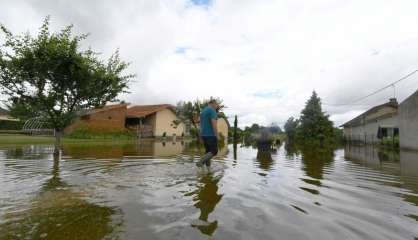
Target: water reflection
point(57, 212)
point(128, 191)
point(401, 163)
point(206, 197)
point(315, 160)
point(264, 160)
point(116, 150)
point(163, 149)
point(28, 152)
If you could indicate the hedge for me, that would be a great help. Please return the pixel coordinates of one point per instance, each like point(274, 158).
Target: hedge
point(11, 125)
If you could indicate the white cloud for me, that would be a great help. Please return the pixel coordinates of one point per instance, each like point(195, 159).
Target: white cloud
point(243, 51)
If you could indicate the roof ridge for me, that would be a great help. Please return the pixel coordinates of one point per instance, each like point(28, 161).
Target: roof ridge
point(152, 105)
point(145, 110)
point(387, 104)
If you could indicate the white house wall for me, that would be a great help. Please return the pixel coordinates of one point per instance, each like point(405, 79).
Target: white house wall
point(368, 132)
point(164, 124)
point(408, 130)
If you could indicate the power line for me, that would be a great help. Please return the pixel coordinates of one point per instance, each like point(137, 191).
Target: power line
point(375, 92)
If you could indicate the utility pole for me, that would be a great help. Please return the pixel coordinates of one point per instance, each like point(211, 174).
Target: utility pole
point(235, 129)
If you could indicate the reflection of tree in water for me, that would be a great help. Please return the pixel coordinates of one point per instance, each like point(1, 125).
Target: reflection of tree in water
point(315, 160)
point(57, 213)
point(28, 152)
point(206, 198)
point(291, 150)
point(264, 159)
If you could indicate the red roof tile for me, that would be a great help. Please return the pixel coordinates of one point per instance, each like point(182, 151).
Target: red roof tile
point(145, 110)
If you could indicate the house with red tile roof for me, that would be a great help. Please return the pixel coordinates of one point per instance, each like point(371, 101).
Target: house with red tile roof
point(146, 120)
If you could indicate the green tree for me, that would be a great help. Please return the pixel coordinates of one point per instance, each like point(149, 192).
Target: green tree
point(315, 126)
point(290, 128)
point(52, 78)
point(274, 128)
point(235, 134)
point(188, 112)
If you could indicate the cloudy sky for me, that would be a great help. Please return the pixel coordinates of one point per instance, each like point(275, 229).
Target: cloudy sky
point(263, 57)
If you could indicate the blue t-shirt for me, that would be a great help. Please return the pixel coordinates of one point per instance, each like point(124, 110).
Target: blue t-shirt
point(206, 116)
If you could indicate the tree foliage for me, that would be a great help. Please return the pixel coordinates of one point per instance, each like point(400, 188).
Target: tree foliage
point(189, 111)
point(290, 128)
point(315, 125)
point(49, 76)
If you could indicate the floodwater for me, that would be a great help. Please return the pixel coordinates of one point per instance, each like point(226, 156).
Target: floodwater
point(153, 190)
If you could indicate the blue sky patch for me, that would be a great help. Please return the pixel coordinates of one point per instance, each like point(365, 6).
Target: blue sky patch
point(181, 50)
point(201, 2)
point(268, 94)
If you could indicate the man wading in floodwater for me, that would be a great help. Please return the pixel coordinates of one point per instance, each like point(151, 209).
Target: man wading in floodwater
point(209, 132)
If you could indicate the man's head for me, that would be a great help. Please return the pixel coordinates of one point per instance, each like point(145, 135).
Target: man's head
point(214, 104)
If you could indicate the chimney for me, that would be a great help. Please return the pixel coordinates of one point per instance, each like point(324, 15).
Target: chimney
point(393, 102)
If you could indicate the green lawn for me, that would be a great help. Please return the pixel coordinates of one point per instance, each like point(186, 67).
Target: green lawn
point(8, 139)
point(23, 139)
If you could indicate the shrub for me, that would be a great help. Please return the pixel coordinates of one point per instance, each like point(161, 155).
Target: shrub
point(83, 133)
point(11, 125)
point(391, 141)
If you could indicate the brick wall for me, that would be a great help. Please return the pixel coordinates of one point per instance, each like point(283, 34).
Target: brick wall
point(111, 120)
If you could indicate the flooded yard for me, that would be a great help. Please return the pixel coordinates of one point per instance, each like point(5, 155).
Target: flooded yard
point(153, 190)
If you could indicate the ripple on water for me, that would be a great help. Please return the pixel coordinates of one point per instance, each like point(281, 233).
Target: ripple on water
point(273, 195)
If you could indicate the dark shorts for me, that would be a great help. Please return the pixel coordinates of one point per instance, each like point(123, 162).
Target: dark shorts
point(211, 144)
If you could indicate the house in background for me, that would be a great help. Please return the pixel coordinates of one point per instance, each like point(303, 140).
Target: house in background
point(145, 120)
point(4, 116)
point(155, 121)
point(375, 124)
point(110, 118)
point(223, 128)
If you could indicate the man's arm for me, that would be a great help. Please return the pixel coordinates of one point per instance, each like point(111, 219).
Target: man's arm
point(215, 126)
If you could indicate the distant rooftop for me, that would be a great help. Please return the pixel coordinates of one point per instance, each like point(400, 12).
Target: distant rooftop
point(358, 120)
point(3, 111)
point(145, 110)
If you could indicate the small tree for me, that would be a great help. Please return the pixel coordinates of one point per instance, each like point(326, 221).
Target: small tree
point(50, 77)
point(235, 137)
point(187, 111)
point(290, 128)
point(315, 127)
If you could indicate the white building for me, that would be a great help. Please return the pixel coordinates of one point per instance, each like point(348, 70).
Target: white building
point(374, 124)
point(408, 119)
